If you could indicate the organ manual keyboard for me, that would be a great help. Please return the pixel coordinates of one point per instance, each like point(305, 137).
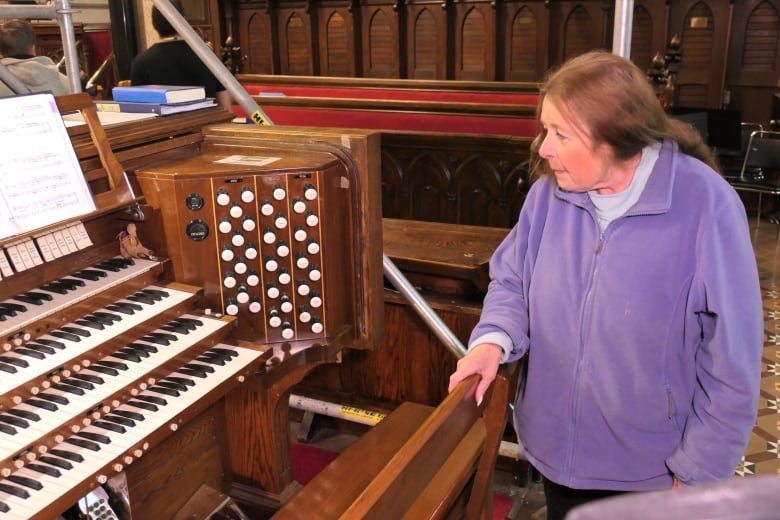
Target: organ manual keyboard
point(173, 372)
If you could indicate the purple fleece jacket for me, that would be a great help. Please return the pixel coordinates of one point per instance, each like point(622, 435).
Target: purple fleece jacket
point(643, 343)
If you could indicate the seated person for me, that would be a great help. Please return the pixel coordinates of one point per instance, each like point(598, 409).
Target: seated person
point(171, 61)
point(39, 73)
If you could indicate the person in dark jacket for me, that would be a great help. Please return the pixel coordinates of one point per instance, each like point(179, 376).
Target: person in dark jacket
point(630, 288)
point(171, 61)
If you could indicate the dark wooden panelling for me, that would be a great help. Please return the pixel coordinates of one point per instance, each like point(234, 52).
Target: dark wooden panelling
point(297, 34)
point(381, 40)
point(475, 40)
point(523, 40)
point(337, 30)
point(754, 61)
point(427, 40)
point(257, 32)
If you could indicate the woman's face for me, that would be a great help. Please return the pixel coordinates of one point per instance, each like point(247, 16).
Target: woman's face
point(578, 163)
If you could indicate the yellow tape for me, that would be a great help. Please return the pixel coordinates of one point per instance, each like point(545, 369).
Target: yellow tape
point(374, 417)
point(258, 119)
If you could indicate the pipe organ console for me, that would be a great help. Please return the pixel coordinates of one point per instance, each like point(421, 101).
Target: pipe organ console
point(172, 372)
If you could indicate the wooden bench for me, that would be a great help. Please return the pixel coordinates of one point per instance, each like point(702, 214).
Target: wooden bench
point(419, 462)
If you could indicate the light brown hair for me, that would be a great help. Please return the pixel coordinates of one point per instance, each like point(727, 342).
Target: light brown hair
point(611, 100)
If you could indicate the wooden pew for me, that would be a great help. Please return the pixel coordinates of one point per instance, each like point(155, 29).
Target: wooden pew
point(419, 462)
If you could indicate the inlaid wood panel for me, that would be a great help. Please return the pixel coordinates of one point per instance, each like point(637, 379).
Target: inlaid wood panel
point(475, 40)
point(338, 56)
point(427, 41)
point(297, 34)
point(381, 54)
point(523, 48)
point(255, 31)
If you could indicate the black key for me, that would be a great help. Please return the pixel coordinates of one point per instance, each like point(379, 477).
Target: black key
point(90, 274)
point(164, 335)
point(91, 323)
point(137, 352)
point(42, 404)
point(64, 454)
point(28, 352)
point(41, 468)
point(40, 348)
point(65, 335)
point(7, 429)
point(124, 421)
point(107, 316)
point(199, 367)
point(191, 321)
point(26, 482)
point(214, 360)
point(25, 414)
point(130, 415)
point(28, 299)
point(128, 356)
point(121, 263)
point(97, 437)
point(164, 390)
point(83, 443)
point(172, 384)
point(104, 369)
point(141, 298)
point(181, 380)
point(131, 305)
point(144, 405)
point(192, 372)
point(108, 266)
point(51, 343)
point(40, 295)
point(151, 399)
point(89, 378)
point(14, 421)
point(21, 363)
point(15, 307)
point(159, 341)
point(53, 398)
point(55, 461)
point(157, 293)
point(4, 507)
point(72, 282)
point(111, 364)
point(55, 288)
point(13, 490)
point(224, 351)
point(75, 390)
point(76, 330)
point(3, 315)
point(143, 346)
point(181, 329)
point(109, 426)
point(9, 369)
point(123, 309)
point(72, 381)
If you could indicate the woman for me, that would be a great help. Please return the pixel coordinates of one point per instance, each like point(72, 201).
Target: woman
point(630, 286)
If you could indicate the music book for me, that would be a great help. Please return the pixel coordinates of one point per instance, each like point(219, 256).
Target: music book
point(40, 176)
point(159, 93)
point(161, 109)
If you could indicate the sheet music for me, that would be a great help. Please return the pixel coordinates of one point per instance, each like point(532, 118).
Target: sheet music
point(41, 181)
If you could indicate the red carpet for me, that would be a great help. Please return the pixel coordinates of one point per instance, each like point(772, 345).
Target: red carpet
point(307, 461)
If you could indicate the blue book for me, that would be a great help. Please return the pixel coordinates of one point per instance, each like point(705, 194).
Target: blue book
point(161, 109)
point(159, 93)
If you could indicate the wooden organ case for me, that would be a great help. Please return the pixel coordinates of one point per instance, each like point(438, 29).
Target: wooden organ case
point(117, 369)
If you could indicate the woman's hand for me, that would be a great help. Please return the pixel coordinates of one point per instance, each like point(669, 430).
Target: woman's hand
point(484, 360)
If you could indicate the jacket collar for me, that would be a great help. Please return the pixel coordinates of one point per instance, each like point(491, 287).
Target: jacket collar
point(657, 195)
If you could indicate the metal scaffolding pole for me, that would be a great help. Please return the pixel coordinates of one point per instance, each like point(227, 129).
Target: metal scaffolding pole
point(621, 33)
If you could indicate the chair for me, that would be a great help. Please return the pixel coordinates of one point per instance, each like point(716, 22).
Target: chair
point(731, 159)
point(762, 159)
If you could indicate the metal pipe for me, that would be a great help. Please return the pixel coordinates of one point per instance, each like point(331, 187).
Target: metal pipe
point(425, 311)
point(507, 449)
point(621, 33)
point(207, 56)
point(65, 19)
